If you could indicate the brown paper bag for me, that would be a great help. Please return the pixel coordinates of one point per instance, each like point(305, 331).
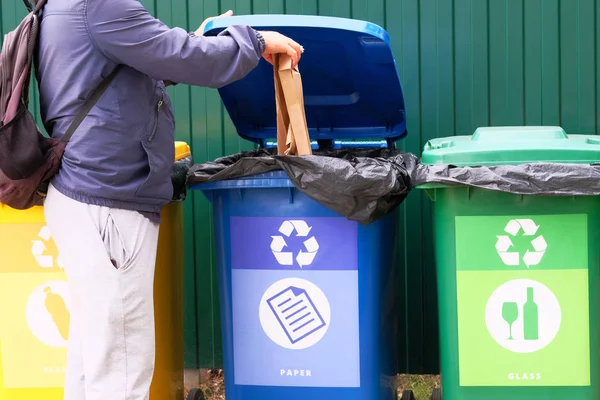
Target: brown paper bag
point(292, 131)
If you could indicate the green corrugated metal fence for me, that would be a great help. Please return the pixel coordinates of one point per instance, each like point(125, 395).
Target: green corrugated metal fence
point(463, 63)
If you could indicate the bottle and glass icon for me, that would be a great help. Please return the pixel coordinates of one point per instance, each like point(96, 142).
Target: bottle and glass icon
point(510, 314)
point(523, 315)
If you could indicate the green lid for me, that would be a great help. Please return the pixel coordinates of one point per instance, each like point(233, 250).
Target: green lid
point(512, 146)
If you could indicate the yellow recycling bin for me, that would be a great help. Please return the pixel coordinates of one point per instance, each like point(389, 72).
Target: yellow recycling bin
point(34, 306)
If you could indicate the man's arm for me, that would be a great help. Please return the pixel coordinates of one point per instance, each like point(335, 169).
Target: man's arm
point(127, 34)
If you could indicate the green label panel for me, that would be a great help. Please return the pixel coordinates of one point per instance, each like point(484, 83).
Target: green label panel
point(521, 243)
point(523, 301)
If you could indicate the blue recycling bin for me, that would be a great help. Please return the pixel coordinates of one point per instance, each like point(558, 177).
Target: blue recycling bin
point(308, 297)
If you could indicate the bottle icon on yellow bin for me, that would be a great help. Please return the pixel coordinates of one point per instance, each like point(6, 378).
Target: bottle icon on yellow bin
point(57, 308)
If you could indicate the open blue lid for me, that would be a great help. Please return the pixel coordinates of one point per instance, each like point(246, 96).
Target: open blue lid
point(351, 86)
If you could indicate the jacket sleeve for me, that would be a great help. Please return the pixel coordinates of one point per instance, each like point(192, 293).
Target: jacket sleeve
point(127, 34)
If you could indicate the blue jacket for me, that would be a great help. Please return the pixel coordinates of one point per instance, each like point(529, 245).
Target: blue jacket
point(122, 154)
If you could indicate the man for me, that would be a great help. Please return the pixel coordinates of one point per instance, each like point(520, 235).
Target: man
point(103, 206)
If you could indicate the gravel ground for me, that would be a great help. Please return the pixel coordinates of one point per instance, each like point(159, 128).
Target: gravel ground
point(213, 387)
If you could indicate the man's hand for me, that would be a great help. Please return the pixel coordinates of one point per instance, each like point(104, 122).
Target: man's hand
point(276, 43)
point(200, 30)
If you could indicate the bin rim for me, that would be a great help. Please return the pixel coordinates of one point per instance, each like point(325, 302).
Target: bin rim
point(267, 180)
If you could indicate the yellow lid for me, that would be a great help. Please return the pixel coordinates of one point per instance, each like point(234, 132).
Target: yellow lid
point(182, 150)
point(11, 216)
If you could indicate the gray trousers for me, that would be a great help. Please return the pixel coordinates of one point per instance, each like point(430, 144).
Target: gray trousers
point(109, 257)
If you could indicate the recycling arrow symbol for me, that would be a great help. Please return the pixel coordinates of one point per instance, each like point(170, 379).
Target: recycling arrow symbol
point(38, 249)
point(278, 244)
point(513, 258)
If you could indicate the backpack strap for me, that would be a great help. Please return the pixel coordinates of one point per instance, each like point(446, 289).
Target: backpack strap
point(28, 5)
point(39, 5)
point(34, 6)
point(89, 103)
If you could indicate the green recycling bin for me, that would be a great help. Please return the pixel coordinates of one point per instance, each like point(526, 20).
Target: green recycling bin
point(517, 274)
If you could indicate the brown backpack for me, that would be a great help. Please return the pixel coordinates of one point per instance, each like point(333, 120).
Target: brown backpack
point(28, 159)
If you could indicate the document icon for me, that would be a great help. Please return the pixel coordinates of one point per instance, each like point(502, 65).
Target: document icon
point(296, 313)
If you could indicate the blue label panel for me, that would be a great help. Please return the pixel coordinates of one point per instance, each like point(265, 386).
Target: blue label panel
point(295, 317)
point(307, 243)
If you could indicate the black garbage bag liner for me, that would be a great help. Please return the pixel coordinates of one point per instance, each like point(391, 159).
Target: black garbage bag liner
point(550, 179)
point(361, 184)
point(179, 176)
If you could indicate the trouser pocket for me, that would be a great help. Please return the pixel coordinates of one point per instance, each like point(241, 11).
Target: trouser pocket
point(114, 243)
